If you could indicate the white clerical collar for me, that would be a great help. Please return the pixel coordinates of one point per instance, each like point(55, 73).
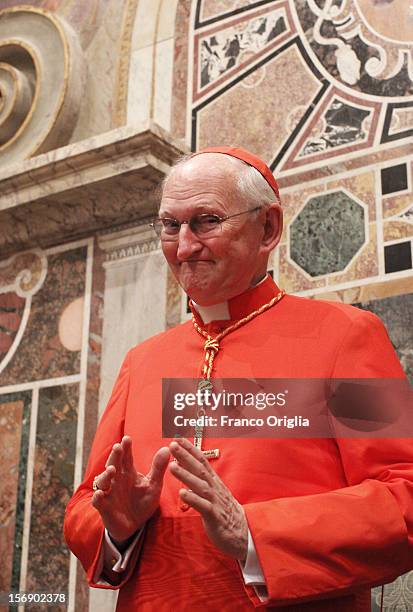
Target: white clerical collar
point(217, 312)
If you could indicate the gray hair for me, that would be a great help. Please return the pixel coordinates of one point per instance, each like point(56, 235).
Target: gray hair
point(251, 186)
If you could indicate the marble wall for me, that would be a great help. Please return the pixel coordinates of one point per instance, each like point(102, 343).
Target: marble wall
point(321, 94)
point(42, 403)
point(323, 91)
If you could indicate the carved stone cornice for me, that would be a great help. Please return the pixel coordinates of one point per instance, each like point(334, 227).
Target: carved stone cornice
point(128, 242)
point(104, 182)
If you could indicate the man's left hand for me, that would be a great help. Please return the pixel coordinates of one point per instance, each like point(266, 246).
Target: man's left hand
point(223, 516)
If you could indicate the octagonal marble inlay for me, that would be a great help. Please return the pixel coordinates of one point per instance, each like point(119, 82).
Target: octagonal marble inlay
point(327, 233)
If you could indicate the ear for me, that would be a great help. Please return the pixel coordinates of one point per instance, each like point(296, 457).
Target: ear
point(273, 227)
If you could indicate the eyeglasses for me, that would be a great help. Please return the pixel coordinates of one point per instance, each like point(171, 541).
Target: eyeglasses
point(205, 225)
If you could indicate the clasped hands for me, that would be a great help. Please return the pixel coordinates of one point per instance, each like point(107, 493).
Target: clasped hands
point(126, 499)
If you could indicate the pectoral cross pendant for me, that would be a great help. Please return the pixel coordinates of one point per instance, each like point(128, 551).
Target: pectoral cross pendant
point(205, 386)
point(209, 454)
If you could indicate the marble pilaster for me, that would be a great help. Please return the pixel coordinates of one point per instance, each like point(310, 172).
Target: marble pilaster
point(152, 63)
point(134, 308)
point(134, 297)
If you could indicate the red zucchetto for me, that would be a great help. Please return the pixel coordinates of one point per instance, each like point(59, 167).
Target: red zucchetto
point(248, 158)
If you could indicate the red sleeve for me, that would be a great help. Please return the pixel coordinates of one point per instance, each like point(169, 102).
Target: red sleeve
point(334, 543)
point(83, 526)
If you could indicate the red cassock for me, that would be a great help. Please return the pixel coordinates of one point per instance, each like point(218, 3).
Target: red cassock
point(329, 517)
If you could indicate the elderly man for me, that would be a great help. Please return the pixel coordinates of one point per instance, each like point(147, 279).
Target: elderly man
point(233, 524)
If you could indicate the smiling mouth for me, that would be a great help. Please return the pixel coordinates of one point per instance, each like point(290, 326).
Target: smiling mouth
point(197, 261)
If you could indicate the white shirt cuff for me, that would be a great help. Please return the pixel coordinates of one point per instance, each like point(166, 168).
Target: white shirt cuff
point(252, 571)
point(112, 559)
point(115, 560)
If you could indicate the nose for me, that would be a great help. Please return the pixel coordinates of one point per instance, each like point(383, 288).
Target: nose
point(188, 243)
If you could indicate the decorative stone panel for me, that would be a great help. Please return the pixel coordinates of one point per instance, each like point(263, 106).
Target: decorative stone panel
point(327, 233)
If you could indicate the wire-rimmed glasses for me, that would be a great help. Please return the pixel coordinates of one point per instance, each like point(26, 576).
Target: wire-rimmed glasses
point(204, 225)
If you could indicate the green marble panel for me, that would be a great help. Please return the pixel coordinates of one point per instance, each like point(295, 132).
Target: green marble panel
point(327, 233)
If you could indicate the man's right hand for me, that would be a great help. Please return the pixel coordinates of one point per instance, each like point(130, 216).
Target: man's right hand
point(125, 498)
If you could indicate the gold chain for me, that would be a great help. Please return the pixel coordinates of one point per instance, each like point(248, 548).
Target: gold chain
point(212, 345)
